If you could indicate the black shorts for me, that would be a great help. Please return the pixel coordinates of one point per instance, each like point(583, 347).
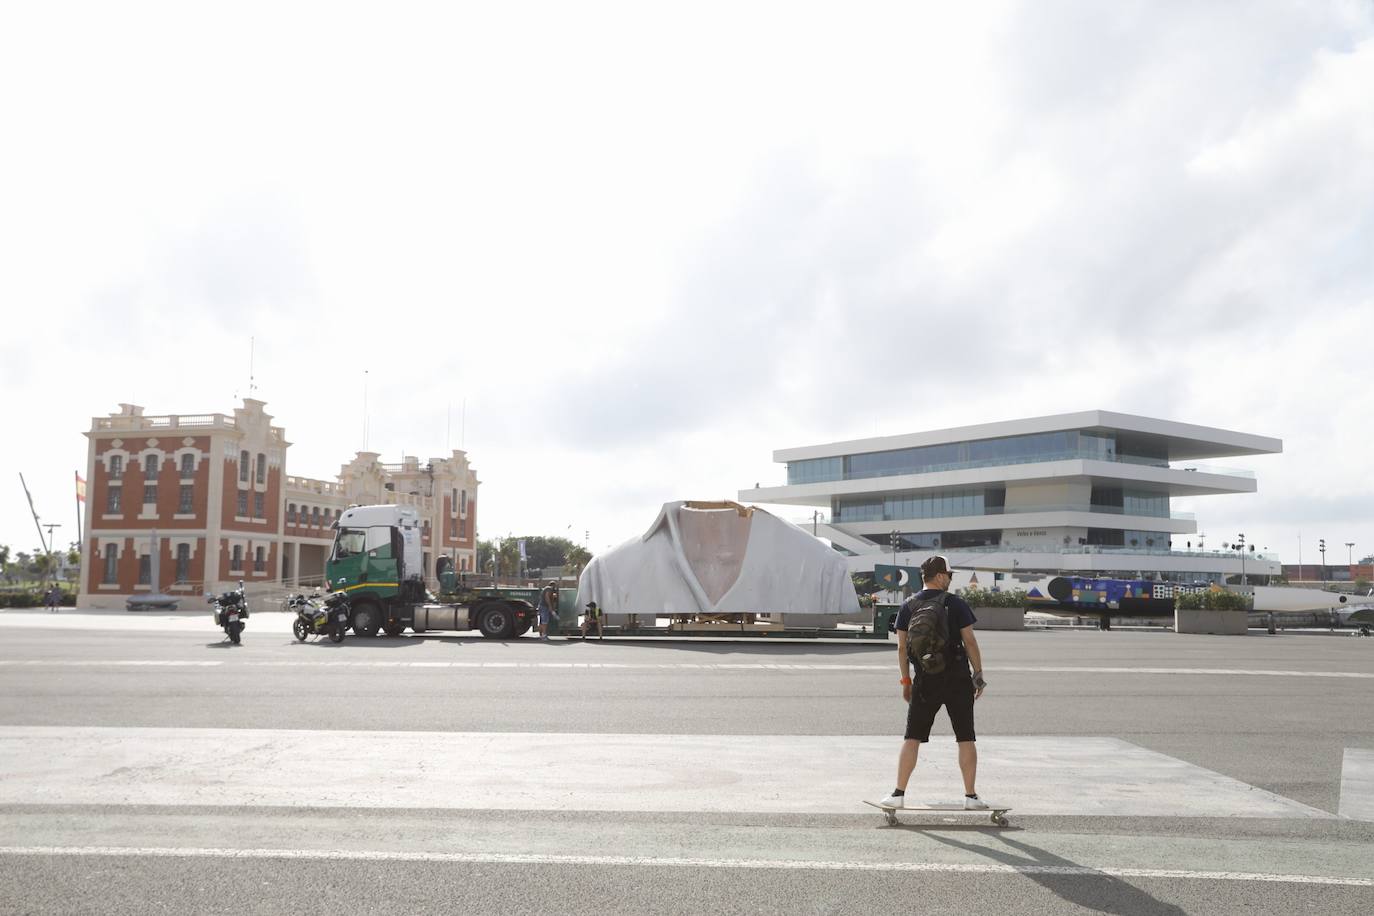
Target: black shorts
point(957, 699)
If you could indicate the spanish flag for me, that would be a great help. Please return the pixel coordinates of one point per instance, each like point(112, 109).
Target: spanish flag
point(80, 488)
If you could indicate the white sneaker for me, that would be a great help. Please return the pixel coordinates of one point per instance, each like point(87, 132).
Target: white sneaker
point(974, 804)
point(894, 801)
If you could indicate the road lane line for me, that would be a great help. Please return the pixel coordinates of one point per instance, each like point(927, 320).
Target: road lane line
point(654, 666)
point(673, 862)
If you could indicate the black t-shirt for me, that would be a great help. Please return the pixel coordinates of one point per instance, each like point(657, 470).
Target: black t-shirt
point(960, 616)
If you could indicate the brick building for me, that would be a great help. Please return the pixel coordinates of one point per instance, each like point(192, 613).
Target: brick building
point(214, 487)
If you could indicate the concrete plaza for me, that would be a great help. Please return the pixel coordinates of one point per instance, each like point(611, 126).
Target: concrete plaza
point(146, 766)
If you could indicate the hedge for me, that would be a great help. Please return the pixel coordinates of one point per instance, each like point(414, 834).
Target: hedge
point(31, 598)
point(986, 597)
point(1212, 600)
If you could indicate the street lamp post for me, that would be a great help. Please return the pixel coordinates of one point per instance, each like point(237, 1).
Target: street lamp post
point(894, 538)
point(1321, 549)
point(1240, 546)
point(50, 526)
point(1349, 554)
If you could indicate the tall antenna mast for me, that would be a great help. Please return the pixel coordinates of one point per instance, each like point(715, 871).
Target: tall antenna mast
point(41, 540)
point(252, 346)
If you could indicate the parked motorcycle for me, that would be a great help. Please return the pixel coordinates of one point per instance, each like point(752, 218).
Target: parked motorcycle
point(230, 611)
point(316, 616)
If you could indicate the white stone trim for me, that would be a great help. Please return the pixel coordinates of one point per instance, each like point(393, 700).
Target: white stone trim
point(105, 460)
point(175, 541)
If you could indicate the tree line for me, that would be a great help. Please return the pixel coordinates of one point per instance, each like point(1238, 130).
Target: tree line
point(541, 552)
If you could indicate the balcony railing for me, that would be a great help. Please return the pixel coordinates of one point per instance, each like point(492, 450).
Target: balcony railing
point(1078, 549)
point(1071, 455)
point(176, 421)
point(1017, 510)
point(311, 485)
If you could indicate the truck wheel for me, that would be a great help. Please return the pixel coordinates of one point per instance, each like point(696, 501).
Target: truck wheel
point(496, 622)
point(394, 629)
point(367, 619)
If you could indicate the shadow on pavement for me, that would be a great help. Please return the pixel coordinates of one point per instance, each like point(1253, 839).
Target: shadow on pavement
point(1092, 890)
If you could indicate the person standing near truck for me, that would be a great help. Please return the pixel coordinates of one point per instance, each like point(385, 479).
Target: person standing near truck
point(953, 687)
point(548, 606)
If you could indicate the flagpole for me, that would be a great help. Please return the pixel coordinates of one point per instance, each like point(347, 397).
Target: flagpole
point(80, 535)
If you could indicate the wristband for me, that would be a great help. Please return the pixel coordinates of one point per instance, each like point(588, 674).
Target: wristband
point(906, 682)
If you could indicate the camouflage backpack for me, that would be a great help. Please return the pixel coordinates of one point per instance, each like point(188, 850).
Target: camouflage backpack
point(927, 634)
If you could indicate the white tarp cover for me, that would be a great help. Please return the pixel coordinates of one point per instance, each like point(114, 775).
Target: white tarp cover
point(719, 558)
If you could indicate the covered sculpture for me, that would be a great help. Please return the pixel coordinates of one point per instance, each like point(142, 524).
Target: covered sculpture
point(719, 558)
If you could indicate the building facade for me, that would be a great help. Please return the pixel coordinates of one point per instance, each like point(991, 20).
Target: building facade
point(214, 490)
point(1087, 492)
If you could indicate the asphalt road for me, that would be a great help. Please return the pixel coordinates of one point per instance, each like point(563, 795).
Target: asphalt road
point(1245, 752)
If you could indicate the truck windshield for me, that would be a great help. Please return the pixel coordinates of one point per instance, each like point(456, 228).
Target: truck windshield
point(349, 541)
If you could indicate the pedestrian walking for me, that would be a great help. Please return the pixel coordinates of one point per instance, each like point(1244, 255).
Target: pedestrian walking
point(935, 650)
point(548, 606)
point(53, 599)
point(593, 616)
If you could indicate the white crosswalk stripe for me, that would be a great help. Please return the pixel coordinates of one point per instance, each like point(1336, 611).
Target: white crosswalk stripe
point(1357, 784)
point(828, 774)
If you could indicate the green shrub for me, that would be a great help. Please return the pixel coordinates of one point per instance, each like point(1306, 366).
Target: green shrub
point(30, 597)
point(1212, 600)
point(986, 597)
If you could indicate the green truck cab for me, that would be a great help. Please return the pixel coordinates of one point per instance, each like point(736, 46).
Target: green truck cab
point(377, 558)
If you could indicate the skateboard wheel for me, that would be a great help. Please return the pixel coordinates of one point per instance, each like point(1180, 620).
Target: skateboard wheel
point(891, 818)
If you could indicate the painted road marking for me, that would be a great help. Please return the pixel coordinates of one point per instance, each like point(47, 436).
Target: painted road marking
point(980, 868)
point(631, 666)
point(1357, 784)
point(826, 774)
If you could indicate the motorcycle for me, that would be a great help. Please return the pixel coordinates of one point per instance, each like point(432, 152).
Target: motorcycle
point(315, 617)
point(230, 611)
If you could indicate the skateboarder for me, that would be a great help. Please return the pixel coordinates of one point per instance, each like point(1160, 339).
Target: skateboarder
point(954, 688)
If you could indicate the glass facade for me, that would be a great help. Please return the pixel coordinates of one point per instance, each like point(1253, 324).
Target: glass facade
point(1028, 449)
point(1127, 501)
point(932, 504)
point(937, 540)
point(987, 501)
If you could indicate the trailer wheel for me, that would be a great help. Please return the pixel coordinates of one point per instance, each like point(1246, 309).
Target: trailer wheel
point(496, 621)
point(367, 618)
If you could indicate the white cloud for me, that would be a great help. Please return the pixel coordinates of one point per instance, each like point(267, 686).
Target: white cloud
point(647, 248)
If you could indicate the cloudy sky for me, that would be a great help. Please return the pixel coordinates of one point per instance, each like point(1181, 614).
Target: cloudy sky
point(631, 249)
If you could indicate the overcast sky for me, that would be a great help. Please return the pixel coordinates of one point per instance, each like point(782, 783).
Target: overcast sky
point(646, 245)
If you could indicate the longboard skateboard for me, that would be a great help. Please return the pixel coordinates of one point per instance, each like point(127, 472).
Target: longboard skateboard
point(997, 813)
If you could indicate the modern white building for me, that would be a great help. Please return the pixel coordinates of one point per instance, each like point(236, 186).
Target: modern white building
point(1085, 493)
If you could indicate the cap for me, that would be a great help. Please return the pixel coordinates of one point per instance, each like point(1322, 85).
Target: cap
point(591, 604)
point(933, 566)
